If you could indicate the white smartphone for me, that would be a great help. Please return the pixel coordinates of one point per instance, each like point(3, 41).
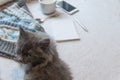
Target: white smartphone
point(68, 8)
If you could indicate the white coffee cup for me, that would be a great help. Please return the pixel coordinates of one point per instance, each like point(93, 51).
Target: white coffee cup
point(48, 6)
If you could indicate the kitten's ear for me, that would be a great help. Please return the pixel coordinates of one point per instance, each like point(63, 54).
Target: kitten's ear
point(44, 44)
point(23, 33)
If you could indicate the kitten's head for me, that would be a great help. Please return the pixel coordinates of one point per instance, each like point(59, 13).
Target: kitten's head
point(33, 47)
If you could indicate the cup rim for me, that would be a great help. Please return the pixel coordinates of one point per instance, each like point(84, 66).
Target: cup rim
point(54, 1)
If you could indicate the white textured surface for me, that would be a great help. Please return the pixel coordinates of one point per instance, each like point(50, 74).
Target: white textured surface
point(10, 70)
point(97, 55)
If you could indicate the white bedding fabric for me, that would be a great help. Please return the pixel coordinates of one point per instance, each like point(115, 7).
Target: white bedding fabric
point(10, 70)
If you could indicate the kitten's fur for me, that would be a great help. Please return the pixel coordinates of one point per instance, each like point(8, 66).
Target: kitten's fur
point(39, 52)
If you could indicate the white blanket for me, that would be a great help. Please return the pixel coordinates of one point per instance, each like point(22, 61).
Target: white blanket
point(10, 70)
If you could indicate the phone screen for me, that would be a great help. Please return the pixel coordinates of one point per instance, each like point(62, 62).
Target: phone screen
point(66, 6)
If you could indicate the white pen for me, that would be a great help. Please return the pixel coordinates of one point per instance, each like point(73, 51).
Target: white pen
point(82, 26)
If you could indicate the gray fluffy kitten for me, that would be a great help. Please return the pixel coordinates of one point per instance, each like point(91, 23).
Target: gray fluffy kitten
point(39, 53)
